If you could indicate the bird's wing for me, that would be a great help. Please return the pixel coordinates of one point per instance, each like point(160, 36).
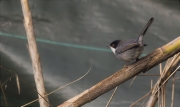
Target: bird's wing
point(129, 46)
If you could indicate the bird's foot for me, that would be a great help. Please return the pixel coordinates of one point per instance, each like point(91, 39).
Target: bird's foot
point(126, 65)
point(137, 59)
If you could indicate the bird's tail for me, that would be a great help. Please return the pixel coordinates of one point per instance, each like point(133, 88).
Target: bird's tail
point(140, 38)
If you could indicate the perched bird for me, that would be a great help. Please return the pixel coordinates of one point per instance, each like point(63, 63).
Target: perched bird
point(130, 50)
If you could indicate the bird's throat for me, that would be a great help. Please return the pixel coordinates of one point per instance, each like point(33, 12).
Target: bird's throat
point(113, 50)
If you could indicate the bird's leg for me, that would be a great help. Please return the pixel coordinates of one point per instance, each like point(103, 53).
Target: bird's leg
point(127, 63)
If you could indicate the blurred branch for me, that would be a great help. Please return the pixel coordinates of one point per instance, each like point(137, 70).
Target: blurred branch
point(35, 58)
point(157, 56)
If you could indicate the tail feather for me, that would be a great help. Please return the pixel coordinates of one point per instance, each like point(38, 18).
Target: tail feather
point(140, 38)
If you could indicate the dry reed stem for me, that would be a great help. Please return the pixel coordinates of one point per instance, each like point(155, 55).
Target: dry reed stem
point(151, 84)
point(38, 76)
point(163, 95)
point(170, 69)
point(173, 87)
point(159, 99)
point(167, 79)
point(18, 83)
point(160, 68)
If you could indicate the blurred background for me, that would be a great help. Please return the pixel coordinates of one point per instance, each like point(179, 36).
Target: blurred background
point(70, 33)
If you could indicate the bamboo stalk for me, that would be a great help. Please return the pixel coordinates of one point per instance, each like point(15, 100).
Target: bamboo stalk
point(35, 58)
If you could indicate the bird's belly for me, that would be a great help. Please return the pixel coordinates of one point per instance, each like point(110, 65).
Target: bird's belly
point(131, 54)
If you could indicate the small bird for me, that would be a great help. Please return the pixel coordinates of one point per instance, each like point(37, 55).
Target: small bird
point(130, 50)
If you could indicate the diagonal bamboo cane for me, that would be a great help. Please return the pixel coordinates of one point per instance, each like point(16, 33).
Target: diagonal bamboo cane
point(144, 64)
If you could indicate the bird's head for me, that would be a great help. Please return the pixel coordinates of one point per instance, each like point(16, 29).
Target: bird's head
point(114, 45)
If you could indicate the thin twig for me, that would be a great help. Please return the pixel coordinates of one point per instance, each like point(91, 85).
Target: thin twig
point(6, 23)
point(144, 101)
point(7, 80)
point(12, 72)
point(111, 96)
point(140, 99)
point(18, 83)
point(132, 81)
point(178, 78)
point(151, 84)
point(150, 91)
point(160, 68)
point(61, 87)
point(4, 95)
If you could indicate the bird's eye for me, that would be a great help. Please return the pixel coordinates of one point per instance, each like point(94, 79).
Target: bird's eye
point(112, 45)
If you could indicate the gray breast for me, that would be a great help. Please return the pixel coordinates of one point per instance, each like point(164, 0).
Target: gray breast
point(131, 54)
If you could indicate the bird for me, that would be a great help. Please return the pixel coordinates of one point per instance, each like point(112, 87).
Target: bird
point(130, 50)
